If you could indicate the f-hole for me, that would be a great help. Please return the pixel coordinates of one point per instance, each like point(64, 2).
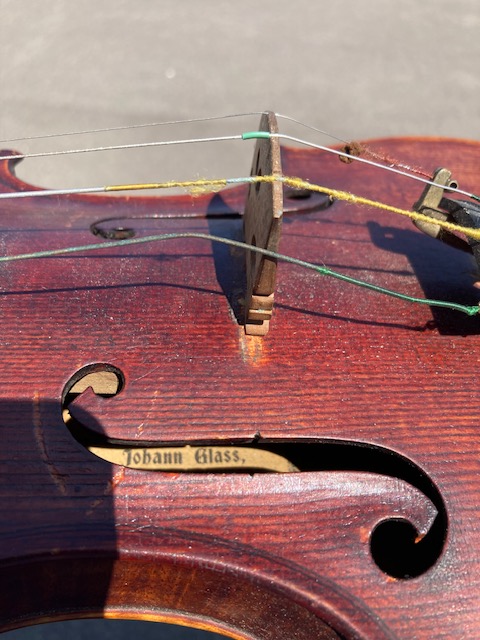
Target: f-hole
point(105, 379)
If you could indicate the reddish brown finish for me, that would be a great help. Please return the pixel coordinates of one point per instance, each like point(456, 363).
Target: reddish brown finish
point(265, 556)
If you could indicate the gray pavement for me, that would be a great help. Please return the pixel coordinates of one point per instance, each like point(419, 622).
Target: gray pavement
point(357, 68)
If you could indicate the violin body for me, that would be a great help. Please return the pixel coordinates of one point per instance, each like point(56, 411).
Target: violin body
point(377, 533)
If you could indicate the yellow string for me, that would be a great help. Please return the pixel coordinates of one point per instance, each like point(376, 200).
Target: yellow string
point(192, 185)
point(201, 185)
point(298, 183)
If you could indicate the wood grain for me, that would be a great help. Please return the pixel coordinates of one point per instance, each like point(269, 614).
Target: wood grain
point(263, 556)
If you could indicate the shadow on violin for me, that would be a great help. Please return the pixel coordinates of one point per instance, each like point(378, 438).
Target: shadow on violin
point(58, 541)
point(441, 271)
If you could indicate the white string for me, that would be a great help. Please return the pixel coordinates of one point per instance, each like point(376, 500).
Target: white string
point(131, 126)
point(117, 147)
point(219, 139)
point(371, 163)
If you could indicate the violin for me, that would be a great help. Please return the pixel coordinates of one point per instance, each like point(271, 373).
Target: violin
point(196, 430)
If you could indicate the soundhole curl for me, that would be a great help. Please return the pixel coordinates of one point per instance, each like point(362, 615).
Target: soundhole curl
point(398, 551)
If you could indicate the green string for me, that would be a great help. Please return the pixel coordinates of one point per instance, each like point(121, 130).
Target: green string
point(469, 310)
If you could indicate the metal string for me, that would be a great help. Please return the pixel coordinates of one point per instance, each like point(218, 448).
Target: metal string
point(294, 182)
point(144, 125)
point(117, 147)
point(243, 136)
point(309, 126)
point(208, 185)
point(132, 126)
point(371, 163)
point(321, 269)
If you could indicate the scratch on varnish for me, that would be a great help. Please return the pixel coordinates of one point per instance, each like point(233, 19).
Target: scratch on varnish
point(148, 373)
point(141, 427)
point(57, 477)
point(109, 489)
point(186, 588)
point(364, 535)
point(252, 349)
point(115, 481)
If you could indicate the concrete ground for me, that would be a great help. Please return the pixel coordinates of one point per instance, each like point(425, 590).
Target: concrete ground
point(357, 68)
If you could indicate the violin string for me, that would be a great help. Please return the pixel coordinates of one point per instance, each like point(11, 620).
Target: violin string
point(345, 196)
point(128, 127)
point(196, 120)
point(365, 148)
point(118, 147)
point(201, 184)
point(310, 126)
point(144, 125)
point(208, 185)
point(371, 163)
point(243, 136)
point(296, 183)
point(320, 269)
point(388, 160)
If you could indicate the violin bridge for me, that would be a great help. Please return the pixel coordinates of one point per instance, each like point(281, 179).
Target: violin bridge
point(262, 228)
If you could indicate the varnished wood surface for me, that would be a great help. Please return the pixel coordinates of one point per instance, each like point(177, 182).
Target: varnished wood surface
point(263, 556)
